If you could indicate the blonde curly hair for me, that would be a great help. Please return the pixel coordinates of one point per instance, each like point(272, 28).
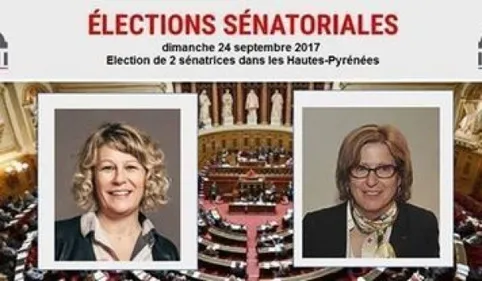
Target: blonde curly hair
point(126, 139)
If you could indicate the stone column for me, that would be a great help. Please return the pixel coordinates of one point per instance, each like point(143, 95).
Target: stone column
point(311, 86)
point(177, 88)
point(215, 104)
point(289, 93)
point(193, 87)
point(240, 104)
point(264, 104)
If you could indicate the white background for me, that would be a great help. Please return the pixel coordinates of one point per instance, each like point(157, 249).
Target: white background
point(48, 40)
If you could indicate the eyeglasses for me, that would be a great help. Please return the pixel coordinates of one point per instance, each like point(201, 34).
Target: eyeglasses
point(383, 171)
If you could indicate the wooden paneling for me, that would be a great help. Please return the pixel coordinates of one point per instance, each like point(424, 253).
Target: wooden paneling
point(210, 144)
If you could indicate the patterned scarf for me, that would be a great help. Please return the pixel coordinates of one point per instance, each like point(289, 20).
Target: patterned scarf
point(379, 226)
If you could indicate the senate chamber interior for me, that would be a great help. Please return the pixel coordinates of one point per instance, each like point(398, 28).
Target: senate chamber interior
point(245, 182)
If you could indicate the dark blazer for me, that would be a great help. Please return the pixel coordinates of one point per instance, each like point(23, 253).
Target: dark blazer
point(70, 245)
point(414, 234)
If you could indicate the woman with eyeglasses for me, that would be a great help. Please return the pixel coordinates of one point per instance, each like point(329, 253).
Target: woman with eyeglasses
point(374, 179)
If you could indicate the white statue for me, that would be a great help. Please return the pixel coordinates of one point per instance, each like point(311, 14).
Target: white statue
point(252, 105)
point(470, 127)
point(227, 112)
point(468, 124)
point(204, 115)
point(276, 108)
point(32, 108)
point(467, 121)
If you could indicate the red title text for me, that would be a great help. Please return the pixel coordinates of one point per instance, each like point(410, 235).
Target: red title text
point(246, 23)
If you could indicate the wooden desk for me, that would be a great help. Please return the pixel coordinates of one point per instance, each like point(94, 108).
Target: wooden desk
point(252, 163)
point(231, 186)
point(275, 264)
point(267, 269)
point(250, 207)
point(282, 235)
point(217, 261)
point(274, 249)
point(197, 275)
point(313, 275)
point(224, 248)
point(233, 227)
point(267, 227)
point(227, 238)
point(228, 235)
point(227, 182)
point(243, 169)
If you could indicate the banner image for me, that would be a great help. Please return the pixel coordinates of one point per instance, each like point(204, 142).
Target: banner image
point(252, 168)
point(243, 140)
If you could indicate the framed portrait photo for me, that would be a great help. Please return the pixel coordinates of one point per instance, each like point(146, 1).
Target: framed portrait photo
point(373, 179)
point(117, 186)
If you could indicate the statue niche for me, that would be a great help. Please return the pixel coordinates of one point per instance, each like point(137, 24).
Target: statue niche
point(276, 108)
point(227, 109)
point(205, 110)
point(469, 128)
point(252, 105)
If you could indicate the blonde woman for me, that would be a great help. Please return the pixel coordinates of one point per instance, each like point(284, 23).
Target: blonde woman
point(120, 173)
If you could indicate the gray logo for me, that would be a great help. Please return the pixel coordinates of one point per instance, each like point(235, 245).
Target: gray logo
point(480, 53)
point(3, 52)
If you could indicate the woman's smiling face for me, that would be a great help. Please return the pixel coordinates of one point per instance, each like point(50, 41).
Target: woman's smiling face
point(372, 194)
point(119, 182)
